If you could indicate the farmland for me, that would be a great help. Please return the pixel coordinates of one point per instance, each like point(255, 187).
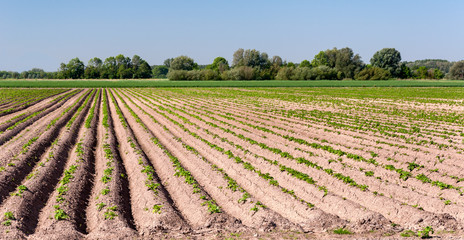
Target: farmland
point(219, 162)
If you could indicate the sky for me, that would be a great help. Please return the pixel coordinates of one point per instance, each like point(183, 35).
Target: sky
point(45, 33)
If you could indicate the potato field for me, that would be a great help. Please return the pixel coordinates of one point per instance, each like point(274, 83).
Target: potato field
point(226, 162)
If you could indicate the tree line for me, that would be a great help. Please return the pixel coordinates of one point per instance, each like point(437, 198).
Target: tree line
point(251, 64)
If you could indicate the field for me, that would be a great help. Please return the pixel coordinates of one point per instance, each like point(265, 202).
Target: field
point(152, 83)
point(231, 162)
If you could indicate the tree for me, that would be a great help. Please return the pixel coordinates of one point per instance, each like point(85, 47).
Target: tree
point(421, 72)
point(437, 74)
point(290, 64)
point(109, 68)
point(93, 69)
point(160, 71)
point(305, 63)
point(168, 62)
point(219, 64)
point(457, 70)
point(238, 58)
point(388, 59)
point(276, 61)
point(442, 65)
point(253, 58)
point(140, 68)
point(320, 59)
point(405, 72)
point(348, 63)
point(74, 69)
point(183, 63)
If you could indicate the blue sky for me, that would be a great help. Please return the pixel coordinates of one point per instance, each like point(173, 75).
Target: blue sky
point(45, 33)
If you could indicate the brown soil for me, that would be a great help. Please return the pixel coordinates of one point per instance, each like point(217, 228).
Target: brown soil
point(165, 182)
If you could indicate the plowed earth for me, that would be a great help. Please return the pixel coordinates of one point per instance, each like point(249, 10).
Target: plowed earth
point(228, 163)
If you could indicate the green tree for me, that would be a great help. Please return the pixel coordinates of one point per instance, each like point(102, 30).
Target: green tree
point(457, 70)
point(109, 68)
point(168, 62)
point(276, 61)
point(160, 71)
point(219, 64)
point(437, 74)
point(74, 69)
point(320, 59)
point(388, 59)
point(421, 72)
point(348, 63)
point(93, 69)
point(305, 63)
point(140, 68)
point(442, 65)
point(405, 72)
point(290, 64)
point(238, 58)
point(251, 58)
point(183, 63)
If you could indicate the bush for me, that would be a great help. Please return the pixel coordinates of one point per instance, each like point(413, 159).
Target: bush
point(160, 71)
point(303, 73)
point(457, 71)
point(373, 73)
point(285, 73)
point(194, 75)
point(324, 73)
point(306, 73)
point(239, 73)
point(176, 75)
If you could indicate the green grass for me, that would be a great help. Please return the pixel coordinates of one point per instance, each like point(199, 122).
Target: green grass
point(266, 83)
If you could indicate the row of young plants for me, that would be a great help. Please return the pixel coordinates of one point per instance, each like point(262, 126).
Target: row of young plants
point(20, 102)
point(18, 123)
point(383, 142)
point(403, 174)
point(340, 97)
point(167, 104)
point(23, 117)
point(301, 160)
point(340, 120)
point(407, 129)
point(238, 160)
point(231, 183)
point(44, 172)
point(31, 141)
point(436, 183)
point(180, 171)
point(367, 173)
point(193, 127)
point(147, 168)
point(108, 173)
point(68, 175)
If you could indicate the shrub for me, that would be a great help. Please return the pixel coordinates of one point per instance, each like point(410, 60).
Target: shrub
point(176, 75)
point(285, 73)
point(239, 73)
point(324, 73)
point(373, 73)
point(457, 71)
